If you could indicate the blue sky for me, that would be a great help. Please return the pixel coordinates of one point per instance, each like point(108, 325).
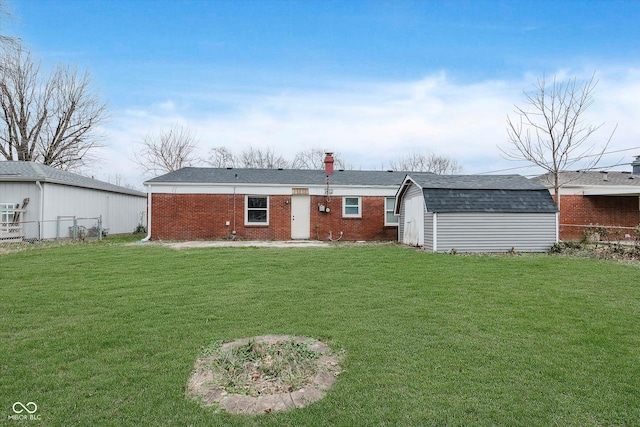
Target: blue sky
point(372, 80)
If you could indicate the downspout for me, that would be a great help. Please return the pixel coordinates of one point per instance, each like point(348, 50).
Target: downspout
point(41, 210)
point(234, 231)
point(146, 239)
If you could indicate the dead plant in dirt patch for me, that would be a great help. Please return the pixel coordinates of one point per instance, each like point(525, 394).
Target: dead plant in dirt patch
point(257, 367)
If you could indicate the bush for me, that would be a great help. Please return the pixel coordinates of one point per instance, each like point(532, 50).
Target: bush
point(611, 251)
point(564, 247)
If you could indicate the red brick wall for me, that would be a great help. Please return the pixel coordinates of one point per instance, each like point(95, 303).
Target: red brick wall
point(579, 212)
point(369, 227)
point(204, 216)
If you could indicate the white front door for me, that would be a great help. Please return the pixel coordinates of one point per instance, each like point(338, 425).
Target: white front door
point(300, 216)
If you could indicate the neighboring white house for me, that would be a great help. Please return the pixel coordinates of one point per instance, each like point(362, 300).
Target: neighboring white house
point(41, 202)
point(475, 213)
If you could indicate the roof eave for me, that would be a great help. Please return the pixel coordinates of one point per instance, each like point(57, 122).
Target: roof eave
point(69, 184)
point(258, 184)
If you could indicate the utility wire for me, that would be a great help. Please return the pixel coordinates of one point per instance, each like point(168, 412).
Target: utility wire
point(572, 160)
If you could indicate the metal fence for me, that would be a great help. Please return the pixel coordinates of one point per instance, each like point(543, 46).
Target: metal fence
point(14, 233)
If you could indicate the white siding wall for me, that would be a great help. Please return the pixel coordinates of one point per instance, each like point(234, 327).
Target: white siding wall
point(120, 212)
point(413, 220)
point(428, 231)
point(271, 189)
point(16, 192)
point(401, 222)
point(496, 232)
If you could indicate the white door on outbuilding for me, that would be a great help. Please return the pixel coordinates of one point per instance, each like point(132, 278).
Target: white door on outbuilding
point(413, 220)
point(300, 216)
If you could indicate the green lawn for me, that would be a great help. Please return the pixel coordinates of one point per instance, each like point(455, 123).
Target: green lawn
point(104, 334)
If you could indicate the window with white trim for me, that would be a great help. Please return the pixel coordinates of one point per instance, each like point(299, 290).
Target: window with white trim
point(256, 210)
point(390, 218)
point(352, 207)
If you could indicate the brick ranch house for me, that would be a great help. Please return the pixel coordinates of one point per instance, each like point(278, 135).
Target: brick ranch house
point(593, 202)
point(196, 203)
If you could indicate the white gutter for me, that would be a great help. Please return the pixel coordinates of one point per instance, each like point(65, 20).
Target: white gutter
point(41, 210)
point(146, 239)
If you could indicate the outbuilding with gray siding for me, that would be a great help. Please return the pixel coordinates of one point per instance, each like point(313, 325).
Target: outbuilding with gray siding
point(475, 213)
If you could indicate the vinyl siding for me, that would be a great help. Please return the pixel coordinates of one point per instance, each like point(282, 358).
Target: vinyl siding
point(401, 221)
point(428, 231)
point(495, 232)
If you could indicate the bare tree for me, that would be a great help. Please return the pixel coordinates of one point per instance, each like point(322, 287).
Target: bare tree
point(265, 159)
point(5, 15)
point(119, 180)
point(549, 130)
point(314, 159)
point(52, 120)
point(221, 157)
point(167, 151)
point(417, 162)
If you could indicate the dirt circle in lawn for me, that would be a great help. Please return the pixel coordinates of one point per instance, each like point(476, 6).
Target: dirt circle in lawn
point(263, 374)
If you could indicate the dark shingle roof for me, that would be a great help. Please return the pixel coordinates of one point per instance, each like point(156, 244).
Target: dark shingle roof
point(484, 193)
point(507, 201)
point(279, 176)
point(31, 172)
point(476, 182)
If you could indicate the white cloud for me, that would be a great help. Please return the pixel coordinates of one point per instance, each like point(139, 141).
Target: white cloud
point(371, 123)
point(168, 106)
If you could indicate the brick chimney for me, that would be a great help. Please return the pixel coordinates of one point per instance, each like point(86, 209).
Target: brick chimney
point(636, 166)
point(328, 164)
